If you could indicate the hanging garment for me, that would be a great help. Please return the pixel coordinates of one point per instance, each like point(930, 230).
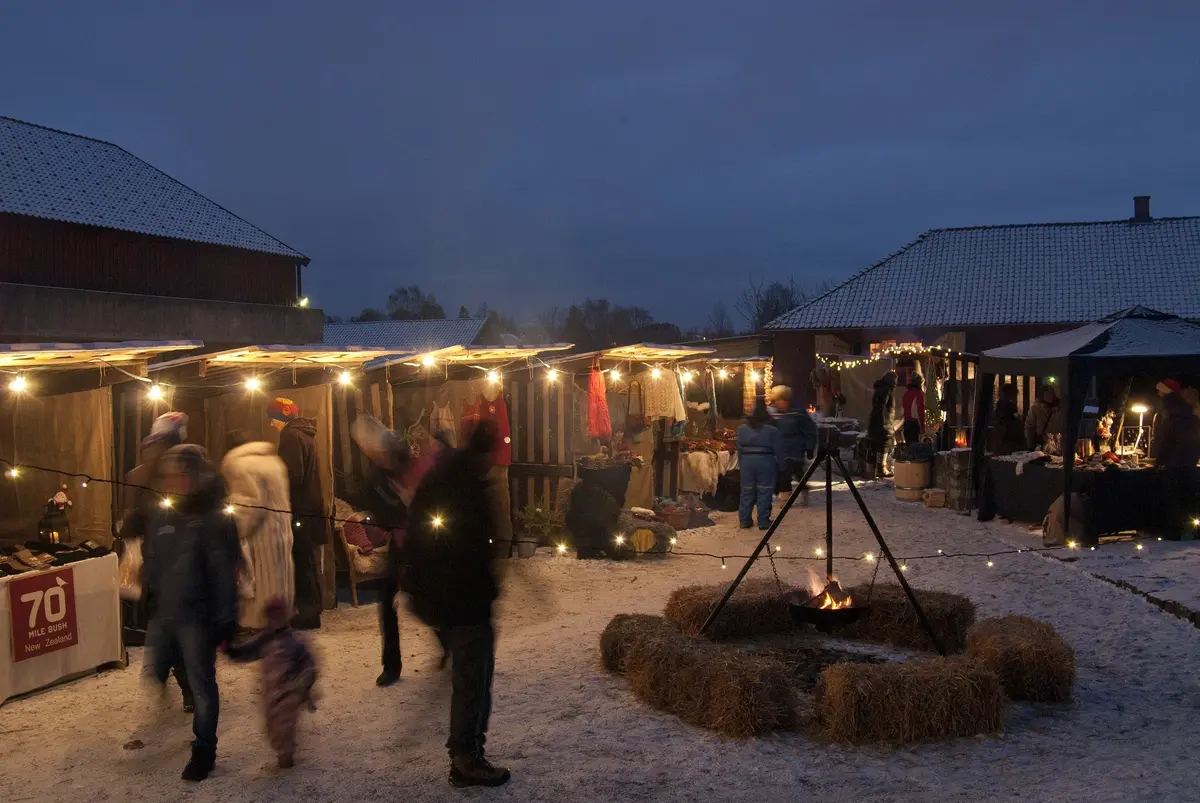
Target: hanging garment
point(599, 422)
point(441, 421)
point(663, 399)
point(496, 411)
point(470, 417)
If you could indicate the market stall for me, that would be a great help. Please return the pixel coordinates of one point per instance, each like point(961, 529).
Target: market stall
point(1122, 492)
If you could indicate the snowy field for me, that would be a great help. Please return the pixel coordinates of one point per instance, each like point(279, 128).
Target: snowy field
point(569, 731)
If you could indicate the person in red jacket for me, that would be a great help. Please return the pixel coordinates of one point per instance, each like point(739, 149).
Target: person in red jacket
point(914, 410)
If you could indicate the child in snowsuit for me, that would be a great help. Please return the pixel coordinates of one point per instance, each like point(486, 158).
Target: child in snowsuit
point(288, 675)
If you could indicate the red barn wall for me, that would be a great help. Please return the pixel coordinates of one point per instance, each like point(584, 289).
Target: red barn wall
point(56, 254)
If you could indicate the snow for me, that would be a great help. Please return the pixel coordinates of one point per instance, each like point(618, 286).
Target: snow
point(569, 730)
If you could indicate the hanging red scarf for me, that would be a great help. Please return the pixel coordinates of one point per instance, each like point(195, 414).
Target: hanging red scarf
point(599, 424)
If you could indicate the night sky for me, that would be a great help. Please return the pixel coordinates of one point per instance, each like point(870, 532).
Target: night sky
point(526, 154)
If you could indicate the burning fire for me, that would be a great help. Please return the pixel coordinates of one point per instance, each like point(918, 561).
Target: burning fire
point(960, 439)
point(830, 597)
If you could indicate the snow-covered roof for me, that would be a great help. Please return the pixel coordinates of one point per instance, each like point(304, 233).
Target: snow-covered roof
point(1137, 332)
point(415, 337)
point(56, 175)
point(1043, 273)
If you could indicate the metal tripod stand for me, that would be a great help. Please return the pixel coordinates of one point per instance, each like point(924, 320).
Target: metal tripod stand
point(829, 456)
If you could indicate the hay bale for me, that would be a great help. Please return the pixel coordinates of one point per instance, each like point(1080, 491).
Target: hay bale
point(643, 538)
point(755, 609)
point(1031, 659)
point(706, 685)
point(903, 703)
point(624, 630)
point(892, 619)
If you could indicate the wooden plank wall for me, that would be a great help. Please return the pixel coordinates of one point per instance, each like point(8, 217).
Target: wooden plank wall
point(540, 417)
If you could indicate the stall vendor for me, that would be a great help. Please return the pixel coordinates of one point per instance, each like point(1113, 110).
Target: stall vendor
point(1044, 419)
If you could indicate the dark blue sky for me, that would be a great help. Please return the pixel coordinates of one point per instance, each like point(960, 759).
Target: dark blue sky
point(527, 153)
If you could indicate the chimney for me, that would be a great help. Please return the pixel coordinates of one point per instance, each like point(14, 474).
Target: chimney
point(1141, 209)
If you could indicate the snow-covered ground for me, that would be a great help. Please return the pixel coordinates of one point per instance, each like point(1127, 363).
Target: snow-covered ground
point(569, 731)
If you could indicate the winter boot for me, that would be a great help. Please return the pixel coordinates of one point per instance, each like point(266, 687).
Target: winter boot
point(203, 759)
point(476, 771)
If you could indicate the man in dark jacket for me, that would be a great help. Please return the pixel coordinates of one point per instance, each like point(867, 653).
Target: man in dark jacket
point(448, 576)
point(799, 434)
point(298, 450)
point(191, 554)
point(1176, 452)
point(881, 425)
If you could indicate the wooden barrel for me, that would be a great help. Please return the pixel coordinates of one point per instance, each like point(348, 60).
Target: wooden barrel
point(911, 478)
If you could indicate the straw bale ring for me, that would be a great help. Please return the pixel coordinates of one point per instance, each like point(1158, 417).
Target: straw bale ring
point(892, 619)
point(756, 608)
point(905, 703)
point(1033, 661)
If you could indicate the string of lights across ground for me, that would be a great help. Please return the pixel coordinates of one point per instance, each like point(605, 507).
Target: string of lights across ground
point(13, 472)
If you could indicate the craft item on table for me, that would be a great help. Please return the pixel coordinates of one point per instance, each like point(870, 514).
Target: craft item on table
point(727, 462)
point(642, 512)
point(1023, 459)
point(663, 399)
point(599, 423)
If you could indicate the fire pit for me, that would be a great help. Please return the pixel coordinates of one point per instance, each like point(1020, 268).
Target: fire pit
point(829, 608)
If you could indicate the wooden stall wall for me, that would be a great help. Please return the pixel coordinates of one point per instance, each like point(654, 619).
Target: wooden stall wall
point(541, 417)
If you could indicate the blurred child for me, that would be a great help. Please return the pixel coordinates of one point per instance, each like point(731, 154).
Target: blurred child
point(289, 673)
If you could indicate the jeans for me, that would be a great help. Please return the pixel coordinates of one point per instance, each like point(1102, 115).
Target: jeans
point(758, 486)
point(191, 646)
point(473, 654)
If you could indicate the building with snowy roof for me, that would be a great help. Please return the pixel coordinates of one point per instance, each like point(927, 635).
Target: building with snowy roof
point(980, 287)
point(96, 244)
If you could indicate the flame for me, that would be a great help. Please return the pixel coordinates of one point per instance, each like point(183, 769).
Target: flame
point(831, 604)
point(831, 596)
point(960, 439)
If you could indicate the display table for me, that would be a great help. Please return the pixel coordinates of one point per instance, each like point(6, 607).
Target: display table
point(1120, 500)
point(58, 623)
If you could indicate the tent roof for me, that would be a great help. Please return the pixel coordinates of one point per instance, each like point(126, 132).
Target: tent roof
point(1139, 333)
point(79, 355)
point(476, 354)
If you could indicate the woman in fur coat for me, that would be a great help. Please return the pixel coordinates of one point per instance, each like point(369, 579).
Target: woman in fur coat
point(256, 479)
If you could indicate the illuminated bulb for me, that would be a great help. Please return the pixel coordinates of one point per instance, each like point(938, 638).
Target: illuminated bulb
point(754, 376)
point(615, 374)
point(868, 557)
point(1093, 549)
point(12, 472)
point(1160, 538)
point(903, 567)
point(655, 374)
point(722, 564)
point(437, 522)
point(620, 540)
point(1140, 409)
point(18, 384)
point(493, 377)
point(778, 548)
point(253, 383)
point(673, 541)
point(1072, 545)
point(229, 510)
point(1196, 522)
point(687, 376)
point(304, 301)
point(166, 502)
point(1139, 546)
point(299, 524)
point(562, 549)
point(990, 564)
point(819, 551)
point(427, 362)
point(155, 392)
point(345, 378)
point(723, 374)
point(83, 484)
point(552, 375)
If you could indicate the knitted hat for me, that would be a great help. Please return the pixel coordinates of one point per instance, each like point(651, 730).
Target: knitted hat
point(168, 426)
point(1169, 386)
point(282, 410)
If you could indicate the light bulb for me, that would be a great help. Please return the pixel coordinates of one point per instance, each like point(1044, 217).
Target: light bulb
point(437, 522)
point(673, 541)
point(229, 510)
point(83, 484)
point(990, 564)
point(819, 551)
point(155, 392)
point(656, 373)
point(615, 374)
point(940, 552)
point(552, 375)
point(17, 384)
point(493, 377)
point(1139, 546)
point(253, 384)
point(723, 374)
point(1140, 409)
point(303, 302)
point(903, 567)
point(620, 540)
point(166, 502)
point(868, 557)
point(1196, 522)
point(1072, 545)
point(345, 378)
point(722, 564)
point(777, 548)
point(562, 549)
point(754, 376)
point(687, 376)
point(427, 362)
point(12, 472)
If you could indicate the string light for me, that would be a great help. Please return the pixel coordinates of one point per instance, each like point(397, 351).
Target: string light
point(436, 522)
point(155, 392)
point(12, 472)
point(903, 567)
point(427, 361)
point(819, 551)
point(656, 373)
point(868, 557)
point(345, 378)
point(615, 374)
point(83, 484)
point(673, 541)
point(253, 384)
point(620, 540)
point(687, 376)
point(229, 510)
point(562, 549)
point(165, 503)
point(722, 563)
point(552, 375)
point(754, 376)
point(1139, 547)
point(777, 548)
point(723, 374)
point(18, 384)
point(493, 377)
point(990, 564)
point(303, 302)
point(940, 552)
point(1072, 545)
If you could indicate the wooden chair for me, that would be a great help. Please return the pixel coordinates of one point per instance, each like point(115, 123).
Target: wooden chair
point(355, 568)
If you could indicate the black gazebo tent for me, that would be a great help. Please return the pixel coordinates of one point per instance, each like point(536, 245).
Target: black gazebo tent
point(1128, 343)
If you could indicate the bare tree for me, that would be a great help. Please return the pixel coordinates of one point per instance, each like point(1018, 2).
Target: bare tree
point(410, 303)
point(762, 303)
point(719, 323)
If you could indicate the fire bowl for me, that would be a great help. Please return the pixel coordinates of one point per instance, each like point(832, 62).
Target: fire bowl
point(806, 611)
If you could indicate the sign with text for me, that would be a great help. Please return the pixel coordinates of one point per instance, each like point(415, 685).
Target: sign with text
point(43, 613)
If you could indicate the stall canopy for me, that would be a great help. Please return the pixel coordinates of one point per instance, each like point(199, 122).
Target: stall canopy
point(1136, 341)
point(260, 361)
point(641, 352)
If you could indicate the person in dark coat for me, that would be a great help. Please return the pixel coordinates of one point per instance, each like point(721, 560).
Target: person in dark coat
point(1044, 419)
point(386, 492)
point(1008, 433)
point(191, 555)
point(799, 434)
point(881, 425)
point(298, 450)
point(448, 576)
point(760, 459)
point(167, 431)
point(1176, 450)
